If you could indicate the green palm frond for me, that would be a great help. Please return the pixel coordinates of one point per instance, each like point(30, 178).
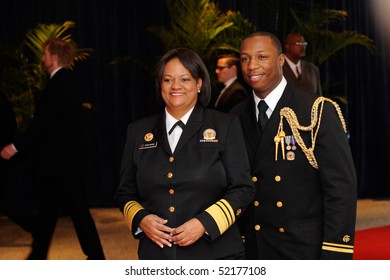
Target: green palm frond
point(202, 27)
point(23, 77)
point(332, 43)
point(322, 17)
point(230, 38)
point(325, 43)
point(43, 32)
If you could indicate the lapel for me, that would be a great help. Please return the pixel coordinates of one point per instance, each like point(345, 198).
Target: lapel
point(273, 123)
point(193, 125)
point(289, 73)
point(228, 92)
point(249, 124)
point(303, 66)
point(267, 139)
point(161, 133)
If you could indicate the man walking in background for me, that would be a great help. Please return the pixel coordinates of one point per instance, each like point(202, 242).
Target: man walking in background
point(56, 143)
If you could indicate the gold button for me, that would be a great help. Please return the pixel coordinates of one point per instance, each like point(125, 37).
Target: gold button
point(278, 178)
point(279, 204)
point(169, 175)
point(256, 203)
point(171, 209)
point(257, 227)
point(171, 191)
point(254, 179)
point(171, 159)
point(281, 230)
point(238, 212)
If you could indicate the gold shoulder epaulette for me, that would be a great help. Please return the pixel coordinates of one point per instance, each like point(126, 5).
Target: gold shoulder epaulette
point(292, 120)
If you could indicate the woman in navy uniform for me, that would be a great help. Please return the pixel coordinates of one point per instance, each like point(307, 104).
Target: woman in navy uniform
point(185, 175)
point(306, 190)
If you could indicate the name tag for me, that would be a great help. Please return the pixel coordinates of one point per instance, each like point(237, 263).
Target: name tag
point(148, 146)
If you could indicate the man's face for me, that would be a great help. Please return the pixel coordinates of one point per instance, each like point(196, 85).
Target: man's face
point(261, 64)
point(295, 46)
point(48, 60)
point(224, 71)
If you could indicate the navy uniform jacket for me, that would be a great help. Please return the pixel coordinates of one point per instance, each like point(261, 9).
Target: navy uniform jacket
point(299, 212)
point(310, 80)
point(233, 95)
point(206, 177)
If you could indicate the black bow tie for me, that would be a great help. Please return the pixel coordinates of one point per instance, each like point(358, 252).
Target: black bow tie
point(178, 123)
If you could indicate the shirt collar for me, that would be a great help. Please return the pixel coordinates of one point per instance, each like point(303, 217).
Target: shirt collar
point(274, 96)
point(292, 64)
point(170, 121)
point(54, 71)
point(229, 82)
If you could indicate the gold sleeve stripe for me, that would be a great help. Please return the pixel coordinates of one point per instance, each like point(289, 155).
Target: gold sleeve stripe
point(131, 208)
point(222, 214)
point(341, 248)
point(338, 245)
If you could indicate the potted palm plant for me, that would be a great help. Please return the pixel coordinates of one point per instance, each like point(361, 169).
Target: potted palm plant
point(202, 27)
point(23, 77)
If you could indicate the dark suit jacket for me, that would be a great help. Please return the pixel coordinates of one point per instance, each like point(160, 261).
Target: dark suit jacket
point(7, 129)
point(182, 185)
point(310, 80)
point(55, 139)
point(7, 121)
point(233, 95)
point(299, 212)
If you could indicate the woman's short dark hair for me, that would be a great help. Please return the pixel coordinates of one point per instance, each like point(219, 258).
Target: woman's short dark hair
point(194, 64)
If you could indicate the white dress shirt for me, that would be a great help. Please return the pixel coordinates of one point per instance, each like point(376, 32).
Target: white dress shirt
point(170, 121)
point(272, 98)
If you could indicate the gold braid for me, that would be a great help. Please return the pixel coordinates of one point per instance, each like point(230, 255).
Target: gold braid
point(292, 120)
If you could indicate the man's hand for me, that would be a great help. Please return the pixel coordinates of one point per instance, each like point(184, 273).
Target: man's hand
point(8, 151)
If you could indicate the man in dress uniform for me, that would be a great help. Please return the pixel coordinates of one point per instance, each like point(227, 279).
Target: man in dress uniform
point(306, 189)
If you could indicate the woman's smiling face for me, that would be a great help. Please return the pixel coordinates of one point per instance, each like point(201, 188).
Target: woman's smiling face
point(179, 89)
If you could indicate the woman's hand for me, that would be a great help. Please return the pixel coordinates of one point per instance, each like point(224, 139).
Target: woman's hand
point(155, 229)
point(188, 233)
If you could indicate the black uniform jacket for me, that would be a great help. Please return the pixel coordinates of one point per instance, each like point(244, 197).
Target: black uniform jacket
point(207, 177)
point(310, 80)
point(299, 212)
point(56, 139)
point(233, 95)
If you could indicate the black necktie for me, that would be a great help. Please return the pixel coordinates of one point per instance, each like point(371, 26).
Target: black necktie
point(299, 75)
point(262, 118)
point(178, 123)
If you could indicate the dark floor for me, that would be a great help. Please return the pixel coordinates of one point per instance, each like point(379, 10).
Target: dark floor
point(118, 243)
